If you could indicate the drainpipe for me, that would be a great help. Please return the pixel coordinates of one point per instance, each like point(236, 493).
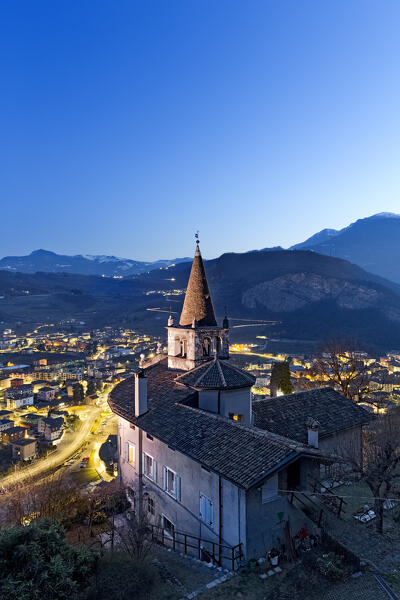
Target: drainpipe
point(140, 475)
point(219, 514)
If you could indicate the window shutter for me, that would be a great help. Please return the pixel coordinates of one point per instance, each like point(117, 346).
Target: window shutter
point(154, 470)
point(164, 477)
point(178, 488)
point(127, 451)
point(210, 513)
point(269, 490)
point(202, 508)
point(143, 462)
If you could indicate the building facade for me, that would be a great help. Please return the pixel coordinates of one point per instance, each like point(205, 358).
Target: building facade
point(195, 457)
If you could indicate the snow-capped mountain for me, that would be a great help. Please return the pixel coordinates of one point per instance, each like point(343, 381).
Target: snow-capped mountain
point(372, 243)
point(108, 266)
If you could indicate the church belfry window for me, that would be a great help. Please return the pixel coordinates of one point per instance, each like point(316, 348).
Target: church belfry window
point(206, 346)
point(218, 345)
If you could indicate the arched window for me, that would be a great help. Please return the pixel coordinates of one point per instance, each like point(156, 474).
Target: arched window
point(218, 345)
point(206, 346)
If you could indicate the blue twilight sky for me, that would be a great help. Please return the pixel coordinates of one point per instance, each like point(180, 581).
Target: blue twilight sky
point(127, 125)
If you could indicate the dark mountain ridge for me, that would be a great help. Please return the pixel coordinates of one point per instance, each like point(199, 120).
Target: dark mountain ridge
point(372, 243)
point(310, 295)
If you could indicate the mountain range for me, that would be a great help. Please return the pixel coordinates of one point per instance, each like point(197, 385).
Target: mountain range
point(309, 296)
point(108, 266)
point(372, 243)
point(308, 291)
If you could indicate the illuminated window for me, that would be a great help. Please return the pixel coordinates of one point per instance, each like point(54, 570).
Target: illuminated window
point(236, 417)
point(130, 453)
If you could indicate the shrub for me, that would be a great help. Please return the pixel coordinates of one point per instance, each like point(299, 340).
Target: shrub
point(331, 566)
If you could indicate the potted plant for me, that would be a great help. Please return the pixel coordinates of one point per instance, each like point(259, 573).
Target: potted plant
point(252, 563)
point(273, 557)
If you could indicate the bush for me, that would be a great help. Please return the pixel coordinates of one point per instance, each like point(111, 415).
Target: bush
point(331, 566)
point(119, 577)
point(36, 562)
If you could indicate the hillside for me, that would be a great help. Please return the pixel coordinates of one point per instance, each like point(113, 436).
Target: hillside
point(311, 295)
point(372, 243)
point(110, 266)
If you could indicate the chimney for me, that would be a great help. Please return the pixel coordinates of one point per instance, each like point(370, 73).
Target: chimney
point(312, 432)
point(140, 393)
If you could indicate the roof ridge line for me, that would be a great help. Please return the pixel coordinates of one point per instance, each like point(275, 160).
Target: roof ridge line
point(218, 363)
point(205, 372)
point(241, 371)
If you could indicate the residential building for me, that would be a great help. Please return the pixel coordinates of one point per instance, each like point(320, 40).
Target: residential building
point(51, 428)
point(202, 459)
point(46, 394)
point(6, 424)
point(13, 434)
point(21, 395)
point(25, 449)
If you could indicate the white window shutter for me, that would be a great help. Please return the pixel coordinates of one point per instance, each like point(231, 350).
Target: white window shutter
point(210, 513)
point(154, 470)
point(164, 477)
point(202, 508)
point(143, 462)
point(178, 488)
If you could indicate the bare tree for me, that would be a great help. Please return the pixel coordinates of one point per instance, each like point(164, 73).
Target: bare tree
point(339, 366)
point(378, 464)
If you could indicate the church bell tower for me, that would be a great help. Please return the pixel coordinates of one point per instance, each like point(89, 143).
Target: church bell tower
point(197, 338)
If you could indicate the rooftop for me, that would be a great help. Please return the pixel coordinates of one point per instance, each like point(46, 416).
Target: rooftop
point(244, 455)
point(216, 374)
point(198, 303)
point(287, 415)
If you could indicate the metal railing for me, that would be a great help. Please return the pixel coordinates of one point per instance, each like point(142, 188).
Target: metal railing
point(203, 549)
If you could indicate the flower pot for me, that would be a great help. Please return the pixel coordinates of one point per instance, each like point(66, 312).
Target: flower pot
point(252, 563)
point(274, 560)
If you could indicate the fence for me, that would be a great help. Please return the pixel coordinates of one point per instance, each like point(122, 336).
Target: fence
point(200, 548)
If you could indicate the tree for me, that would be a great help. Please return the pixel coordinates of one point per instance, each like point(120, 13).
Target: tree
point(280, 379)
point(380, 462)
point(91, 387)
point(37, 562)
point(78, 394)
point(339, 366)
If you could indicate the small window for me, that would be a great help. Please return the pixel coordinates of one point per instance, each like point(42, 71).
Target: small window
point(206, 510)
point(149, 437)
point(130, 454)
point(149, 466)
point(171, 483)
point(168, 526)
point(132, 426)
point(235, 417)
point(150, 506)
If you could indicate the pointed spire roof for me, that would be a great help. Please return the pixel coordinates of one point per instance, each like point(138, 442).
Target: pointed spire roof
point(198, 304)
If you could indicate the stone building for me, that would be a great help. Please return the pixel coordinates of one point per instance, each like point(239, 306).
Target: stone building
point(200, 458)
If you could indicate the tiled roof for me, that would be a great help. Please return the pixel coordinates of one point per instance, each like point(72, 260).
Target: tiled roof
point(287, 415)
point(198, 304)
point(216, 374)
point(244, 455)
